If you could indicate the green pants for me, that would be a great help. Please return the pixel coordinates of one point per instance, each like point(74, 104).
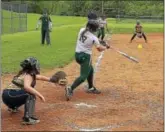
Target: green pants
point(86, 70)
point(45, 34)
point(101, 32)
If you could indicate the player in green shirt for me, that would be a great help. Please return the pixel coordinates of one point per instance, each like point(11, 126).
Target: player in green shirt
point(46, 26)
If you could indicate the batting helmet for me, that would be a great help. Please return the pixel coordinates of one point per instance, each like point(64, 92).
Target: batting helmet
point(92, 25)
point(31, 64)
point(92, 16)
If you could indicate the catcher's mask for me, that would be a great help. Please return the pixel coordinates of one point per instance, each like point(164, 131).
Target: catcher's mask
point(31, 64)
point(93, 25)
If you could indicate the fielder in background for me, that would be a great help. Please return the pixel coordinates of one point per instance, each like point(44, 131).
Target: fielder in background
point(138, 32)
point(46, 27)
point(85, 41)
point(21, 91)
point(102, 26)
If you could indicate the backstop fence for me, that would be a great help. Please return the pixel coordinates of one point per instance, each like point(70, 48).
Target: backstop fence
point(14, 17)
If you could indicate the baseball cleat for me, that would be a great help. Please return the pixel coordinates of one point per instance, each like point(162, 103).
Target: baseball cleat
point(35, 118)
point(29, 121)
point(93, 90)
point(69, 93)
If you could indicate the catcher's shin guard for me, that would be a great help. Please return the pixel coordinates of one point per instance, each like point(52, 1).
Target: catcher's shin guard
point(29, 106)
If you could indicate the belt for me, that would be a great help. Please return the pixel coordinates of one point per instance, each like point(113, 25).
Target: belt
point(13, 89)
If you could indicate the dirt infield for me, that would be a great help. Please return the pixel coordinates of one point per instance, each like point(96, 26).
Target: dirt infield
point(131, 99)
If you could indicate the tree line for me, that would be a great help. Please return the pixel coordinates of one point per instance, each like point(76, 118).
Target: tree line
point(110, 8)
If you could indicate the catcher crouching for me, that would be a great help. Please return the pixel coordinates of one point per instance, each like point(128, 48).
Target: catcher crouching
point(21, 90)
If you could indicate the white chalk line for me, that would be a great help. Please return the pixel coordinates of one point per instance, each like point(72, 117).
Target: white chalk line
point(84, 105)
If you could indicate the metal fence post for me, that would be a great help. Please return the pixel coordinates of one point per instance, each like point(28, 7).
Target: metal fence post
point(26, 16)
point(1, 18)
point(20, 29)
point(0, 60)
point(11, 18)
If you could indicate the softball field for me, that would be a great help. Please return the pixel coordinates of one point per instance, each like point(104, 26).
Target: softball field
point(131, 98)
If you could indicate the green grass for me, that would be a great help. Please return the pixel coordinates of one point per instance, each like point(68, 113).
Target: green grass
point(129, 27)
point(18, 46)
point(57, 21)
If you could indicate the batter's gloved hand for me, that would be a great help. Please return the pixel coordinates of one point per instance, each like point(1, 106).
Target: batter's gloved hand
point(59, 78)
point(102, 42)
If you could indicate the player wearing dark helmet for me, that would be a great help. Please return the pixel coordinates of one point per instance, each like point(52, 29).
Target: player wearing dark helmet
point(21, 90)
point(138, 32)
point(85, 41)
point(92, 16)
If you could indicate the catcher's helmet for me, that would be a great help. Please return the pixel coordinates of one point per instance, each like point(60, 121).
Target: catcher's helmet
point(31, 64)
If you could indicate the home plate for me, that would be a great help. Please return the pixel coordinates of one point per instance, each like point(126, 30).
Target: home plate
point(84, 105)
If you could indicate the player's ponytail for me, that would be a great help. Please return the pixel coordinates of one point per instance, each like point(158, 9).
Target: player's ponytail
point(92, 23)
point(86, 30)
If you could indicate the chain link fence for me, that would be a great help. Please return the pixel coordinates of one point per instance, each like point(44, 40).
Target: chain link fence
point(144, 19)
point(14, 17)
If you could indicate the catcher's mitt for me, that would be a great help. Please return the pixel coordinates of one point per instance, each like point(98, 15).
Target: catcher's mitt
point(59, 78)
point(102, 42)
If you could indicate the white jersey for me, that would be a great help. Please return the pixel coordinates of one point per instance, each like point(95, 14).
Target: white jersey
point(85, 44)
point(102, 22)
